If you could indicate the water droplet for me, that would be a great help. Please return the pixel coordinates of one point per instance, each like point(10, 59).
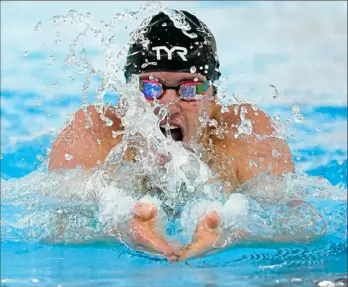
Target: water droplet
point(1, 156)
point(318, 129)
point(275, 153)
point(98, 141)
point(298, 157)
point(296, 109)
point(98, 162)
point(195, 80)
point(276, 93)
point(213, 123)
point(206, 67)
point(72, 13)
point(55, 19)
point(246, 126)
point(59, 211)
point(39, 157)
point(296, 112)
point(164, 24)
point(26, 53)
point(38, 26)
point(35, 280)
point(68, 157)
point(340, 162)
point(193, 69)
point(116, 133)
point(109, 122)
point(203, 121)
point(48, 114)
point(58, 42)
point(236, 110)
point(299, 118)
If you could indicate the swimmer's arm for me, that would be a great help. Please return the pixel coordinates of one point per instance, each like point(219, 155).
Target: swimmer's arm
point(80, 145)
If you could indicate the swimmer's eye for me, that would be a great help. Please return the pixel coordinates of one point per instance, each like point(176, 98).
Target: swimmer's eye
point(192, 91)
point(151, 89)
point(188, 91)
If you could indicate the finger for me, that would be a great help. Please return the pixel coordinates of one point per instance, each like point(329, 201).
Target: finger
point(159, 245)
point(145, 211)
point(148, 238)
point(195, 249)
point(205, 237)
point(180, 253)
point(212, 220)
point(173, 258)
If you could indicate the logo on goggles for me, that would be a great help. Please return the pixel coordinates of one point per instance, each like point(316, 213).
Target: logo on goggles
point(181, 51)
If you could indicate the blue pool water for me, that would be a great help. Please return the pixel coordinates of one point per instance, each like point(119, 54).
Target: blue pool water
point(27, 262)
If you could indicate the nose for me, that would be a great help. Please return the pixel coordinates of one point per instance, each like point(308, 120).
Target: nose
point(170, 97)
point(170, 101)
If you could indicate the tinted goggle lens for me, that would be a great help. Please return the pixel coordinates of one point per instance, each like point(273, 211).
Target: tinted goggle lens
point(151, 90)
point(188, 91)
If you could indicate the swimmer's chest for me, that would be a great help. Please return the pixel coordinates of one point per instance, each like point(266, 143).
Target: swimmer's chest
point(219, 158)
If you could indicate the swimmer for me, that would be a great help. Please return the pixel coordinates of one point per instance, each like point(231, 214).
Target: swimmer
point(183, 80)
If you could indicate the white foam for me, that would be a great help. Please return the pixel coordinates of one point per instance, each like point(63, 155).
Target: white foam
point(235, 210)
point(114, 205)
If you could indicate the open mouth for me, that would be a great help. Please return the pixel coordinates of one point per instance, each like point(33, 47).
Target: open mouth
point(173, 131)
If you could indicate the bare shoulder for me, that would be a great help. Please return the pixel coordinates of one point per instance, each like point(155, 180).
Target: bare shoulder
point(86, 140)
point(262, 124)
point(253, 142)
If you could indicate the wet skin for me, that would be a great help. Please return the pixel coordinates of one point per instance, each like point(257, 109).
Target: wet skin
point(228, 156)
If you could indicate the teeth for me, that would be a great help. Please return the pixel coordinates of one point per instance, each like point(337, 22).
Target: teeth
point(170, 126)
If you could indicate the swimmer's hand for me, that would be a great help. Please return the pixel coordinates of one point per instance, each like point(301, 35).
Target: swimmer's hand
point(143, 234)
point(206, 237)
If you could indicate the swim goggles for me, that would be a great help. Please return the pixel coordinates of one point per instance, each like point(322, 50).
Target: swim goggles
point(188, 91)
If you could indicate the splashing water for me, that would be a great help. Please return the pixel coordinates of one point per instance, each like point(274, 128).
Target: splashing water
point(77, 205)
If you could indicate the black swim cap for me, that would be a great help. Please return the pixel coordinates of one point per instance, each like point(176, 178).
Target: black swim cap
point(168, 48)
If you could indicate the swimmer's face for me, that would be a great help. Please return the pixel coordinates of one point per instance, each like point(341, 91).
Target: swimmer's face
point(183, 116)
